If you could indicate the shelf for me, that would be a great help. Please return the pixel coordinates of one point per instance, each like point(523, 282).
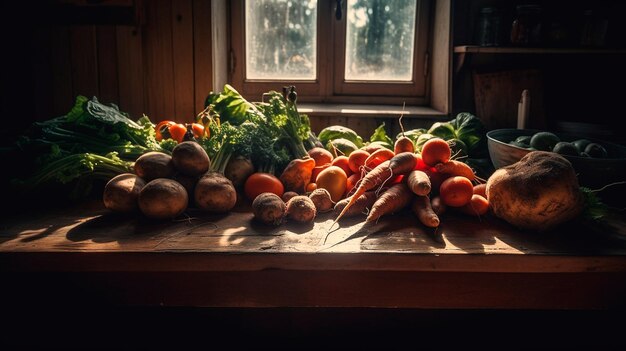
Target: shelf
point(473, 49)
point(470, 49)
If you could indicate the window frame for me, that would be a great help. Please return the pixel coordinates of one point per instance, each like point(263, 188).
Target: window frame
point(329, 84)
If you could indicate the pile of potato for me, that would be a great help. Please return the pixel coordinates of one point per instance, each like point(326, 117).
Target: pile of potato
point(163, 186)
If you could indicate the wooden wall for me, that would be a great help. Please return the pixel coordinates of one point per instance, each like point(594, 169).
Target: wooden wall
point(161, 67)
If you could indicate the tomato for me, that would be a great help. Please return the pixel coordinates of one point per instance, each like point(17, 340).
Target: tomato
point(170, 129)
point(199, 130)
point(177, 131)
point(161, 130)
point(260, 182)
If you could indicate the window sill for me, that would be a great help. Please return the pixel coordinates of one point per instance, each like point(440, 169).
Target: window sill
point(362, 110)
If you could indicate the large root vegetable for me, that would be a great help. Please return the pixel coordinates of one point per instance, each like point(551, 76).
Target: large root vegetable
point(215, 193)
point(269, 208)
point(190, 158)
point(153, 165)
point(538, 192)
point(121, 192)
point(163, 199)
point(322, 200)
point(301, 209)
point(297, 174)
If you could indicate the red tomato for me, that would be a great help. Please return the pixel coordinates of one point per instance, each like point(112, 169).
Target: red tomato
point(161, 130)
point(199, 130)
point(260, 182)
point(177, 131)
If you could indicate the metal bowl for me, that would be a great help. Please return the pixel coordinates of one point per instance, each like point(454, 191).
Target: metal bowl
point(592, 172)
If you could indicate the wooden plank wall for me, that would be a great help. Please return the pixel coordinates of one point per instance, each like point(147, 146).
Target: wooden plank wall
point(161, 68)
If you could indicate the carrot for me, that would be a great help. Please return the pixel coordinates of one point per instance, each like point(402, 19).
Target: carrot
point(356, 160)
point(352, 181)
point(395, 198)
point(361, 205)
point(436, 179)
point(418, 182)
point(377, 157)
point(436, 150)
point(481, 189)
point(477, 206)
point(422, 208)
point(456, 168)
point(399, 164)
point(438, 206)
point(456, 191)
point(403, 144)
point(419, 164)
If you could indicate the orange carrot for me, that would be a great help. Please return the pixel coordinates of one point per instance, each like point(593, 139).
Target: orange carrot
point(400, 164)
point(395, 198)
point(403, 144)
point(361, 206)
point(419, 164)
point(438, 206)
point(436, 150)
point(418, 182)
point(356, 160)
point(481, 189)
point(477, 206)
point(377, 157)
point(422, 208)
point(456, 191)
point(456, 168)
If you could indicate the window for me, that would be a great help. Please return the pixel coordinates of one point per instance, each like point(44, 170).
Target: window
point(369, 51)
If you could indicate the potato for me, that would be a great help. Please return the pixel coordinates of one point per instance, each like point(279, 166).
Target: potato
point(538, 192)
point(187, 181)
point(190, 158)
point(322, 200)
point(121, 192)
point(215, 193)
point(163, 199)
point(301, 209)
point(269, 208)
point(153, 165)
point(238, 170)
point(288, 195)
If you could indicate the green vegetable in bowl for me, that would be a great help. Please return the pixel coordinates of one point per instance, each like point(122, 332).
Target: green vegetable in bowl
point(595, 150)
point(524, 140)
point(581, 144)
point(519, 144)
point(544, 141)
point(565, 148)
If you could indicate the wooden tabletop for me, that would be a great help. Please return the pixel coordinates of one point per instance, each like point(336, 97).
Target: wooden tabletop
point(397, 252)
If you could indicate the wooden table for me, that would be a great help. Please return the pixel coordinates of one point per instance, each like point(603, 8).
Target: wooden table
point(231, 261)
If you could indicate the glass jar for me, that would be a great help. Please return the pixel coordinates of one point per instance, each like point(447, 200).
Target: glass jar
point(526, 26)
point(489, 27)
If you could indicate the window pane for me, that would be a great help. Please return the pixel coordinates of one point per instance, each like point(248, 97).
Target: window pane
point(379, 40)
point(281, 39)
